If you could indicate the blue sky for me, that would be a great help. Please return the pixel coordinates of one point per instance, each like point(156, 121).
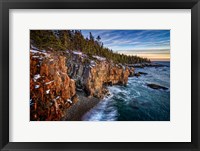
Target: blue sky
point(145, 43)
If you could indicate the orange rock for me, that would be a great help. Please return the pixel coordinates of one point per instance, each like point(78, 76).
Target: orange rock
point(53, 88)
point(72, 87)
point(101, 74)
point(75, 99)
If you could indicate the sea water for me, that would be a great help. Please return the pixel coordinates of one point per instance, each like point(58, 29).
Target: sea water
point(136, 101)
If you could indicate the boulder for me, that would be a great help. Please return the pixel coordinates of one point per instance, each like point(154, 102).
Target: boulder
point(131, 71)
point(155, 86)
point(140, 73)
point(144, 73)
point(137, 74)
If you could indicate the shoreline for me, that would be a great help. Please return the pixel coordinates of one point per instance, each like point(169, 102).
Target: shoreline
point(83, 105)
point(78, 110)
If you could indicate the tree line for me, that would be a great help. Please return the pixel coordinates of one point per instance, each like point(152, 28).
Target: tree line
point(61, 40)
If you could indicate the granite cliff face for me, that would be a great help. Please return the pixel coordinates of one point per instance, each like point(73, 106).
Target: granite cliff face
point(51, 89)
point(92, 75)
point(56, 77)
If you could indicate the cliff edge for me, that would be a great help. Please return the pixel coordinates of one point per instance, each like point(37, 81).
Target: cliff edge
point(55, 78)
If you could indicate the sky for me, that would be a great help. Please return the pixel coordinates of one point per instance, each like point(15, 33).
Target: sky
point(152, 44)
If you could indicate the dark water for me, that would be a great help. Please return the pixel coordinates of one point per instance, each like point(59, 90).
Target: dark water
point(136, 101)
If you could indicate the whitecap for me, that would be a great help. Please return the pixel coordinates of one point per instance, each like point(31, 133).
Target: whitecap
point(104, 111)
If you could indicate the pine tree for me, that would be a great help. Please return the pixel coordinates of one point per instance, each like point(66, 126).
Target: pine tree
point(91, 37)
point(59, 40)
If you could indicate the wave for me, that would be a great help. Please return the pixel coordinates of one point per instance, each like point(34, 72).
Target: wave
point(103, 111)
point(136, 101)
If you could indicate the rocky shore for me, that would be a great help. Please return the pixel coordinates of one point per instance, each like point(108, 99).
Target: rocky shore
point(65, 85)
point(77, 110)
point(142, 65)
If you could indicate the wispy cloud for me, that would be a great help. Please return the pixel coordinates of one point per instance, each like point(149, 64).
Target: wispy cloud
point(128, 41)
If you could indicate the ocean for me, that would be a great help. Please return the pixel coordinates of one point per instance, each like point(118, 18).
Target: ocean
point(136, 101)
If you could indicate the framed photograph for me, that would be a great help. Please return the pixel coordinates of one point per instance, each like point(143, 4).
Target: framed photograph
point(99, 75)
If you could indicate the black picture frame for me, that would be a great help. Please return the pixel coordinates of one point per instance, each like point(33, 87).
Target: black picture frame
point(5, 5)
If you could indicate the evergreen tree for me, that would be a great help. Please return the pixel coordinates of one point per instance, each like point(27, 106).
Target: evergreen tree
point(59, 40)
point(91, 37)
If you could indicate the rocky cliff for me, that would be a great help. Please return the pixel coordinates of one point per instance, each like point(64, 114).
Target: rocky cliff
point(93, 74)
point(51, 89)
point(56, 76)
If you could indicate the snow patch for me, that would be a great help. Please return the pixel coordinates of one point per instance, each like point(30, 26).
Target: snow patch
point(77, 53)
point(92, 63)
point(35, 56)
point(57, 97)
point(31, 102)
point(47, 91)
point(84, 56)
point(37, 86)
point(43, 51)
point(70, 101)
point(37, 76)
point(99, 58)
point(36, 51)
point(91, 66)
point(33, 47)
point(49, 82)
